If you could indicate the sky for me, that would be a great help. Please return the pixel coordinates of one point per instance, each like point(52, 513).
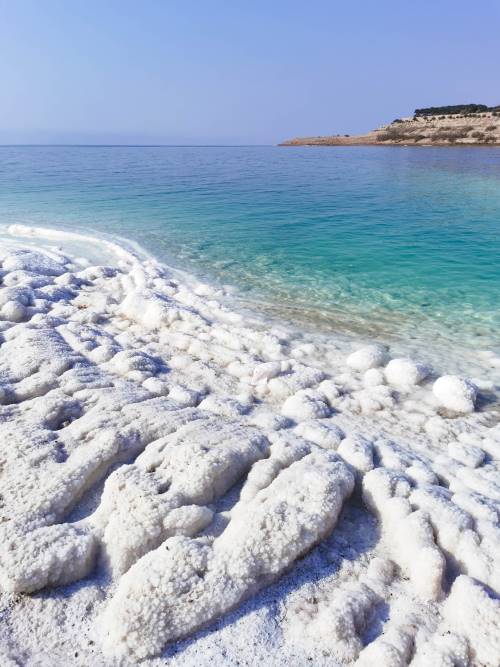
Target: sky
point(236, 71)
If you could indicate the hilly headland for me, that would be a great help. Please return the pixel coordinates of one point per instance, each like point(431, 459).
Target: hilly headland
point(462, 124)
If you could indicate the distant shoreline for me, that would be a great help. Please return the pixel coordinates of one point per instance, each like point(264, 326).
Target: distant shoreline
point(423, 129)
point(386, 144)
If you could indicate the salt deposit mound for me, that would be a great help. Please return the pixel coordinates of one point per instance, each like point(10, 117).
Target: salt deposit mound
point(455, 393)
point(179, 482)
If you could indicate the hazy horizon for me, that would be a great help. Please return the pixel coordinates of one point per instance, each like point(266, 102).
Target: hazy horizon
point(83, 73)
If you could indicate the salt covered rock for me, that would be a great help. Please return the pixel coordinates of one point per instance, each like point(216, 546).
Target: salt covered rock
point(305, 404)
point(184, 396)
point(45, 556)
point(381, 570)
point(186, 583)
point(455, 393)
point(367, 357)
point(156, 386)
point(373, 399)
point(301, 377)
point(443, 650)
point(409, 534)
point(285, 450)
point(163, 492)
point(475, 614)
point(393, 648)
point(14, 311)
point(330, 390)
point(223, 405)
point(467, 454)
point(337, 624)
point(405, 373)
point(133, 360)
point(268, 370)
point(321, 432)
point(357, 451)
point(373, 377)
point(44, 263)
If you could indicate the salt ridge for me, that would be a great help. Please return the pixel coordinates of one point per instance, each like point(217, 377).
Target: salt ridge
point(176, 458)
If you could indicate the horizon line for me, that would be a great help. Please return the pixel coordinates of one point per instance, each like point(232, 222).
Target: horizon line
point(136, 145)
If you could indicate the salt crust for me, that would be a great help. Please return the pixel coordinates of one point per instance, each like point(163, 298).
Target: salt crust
point(178, 458)
point(367, 357)
point(404, 373)
point(187, 582)
point(455, 393)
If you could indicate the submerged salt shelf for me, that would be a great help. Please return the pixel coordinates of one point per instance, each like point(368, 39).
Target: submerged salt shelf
point(180, 481)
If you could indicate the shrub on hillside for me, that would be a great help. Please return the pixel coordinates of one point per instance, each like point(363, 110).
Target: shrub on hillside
point(449, 135)
point(399, 132)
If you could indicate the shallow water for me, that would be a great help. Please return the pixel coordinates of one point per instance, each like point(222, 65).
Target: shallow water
point(389, 242)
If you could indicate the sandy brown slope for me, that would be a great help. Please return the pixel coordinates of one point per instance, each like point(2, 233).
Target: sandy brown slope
point(458, 129)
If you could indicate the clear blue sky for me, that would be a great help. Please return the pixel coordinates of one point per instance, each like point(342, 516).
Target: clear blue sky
point(236, 71)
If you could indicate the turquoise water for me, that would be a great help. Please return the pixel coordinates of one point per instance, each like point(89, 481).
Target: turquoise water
point(389, 241)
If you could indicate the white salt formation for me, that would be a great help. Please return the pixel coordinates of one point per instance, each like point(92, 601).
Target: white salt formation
point(455, 393)
point(404, 373)
point(165, 492)
point(187, 582)
point(168, 464)
point(367, 357)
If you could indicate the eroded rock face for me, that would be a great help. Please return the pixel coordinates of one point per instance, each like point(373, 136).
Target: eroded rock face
point(177, 459)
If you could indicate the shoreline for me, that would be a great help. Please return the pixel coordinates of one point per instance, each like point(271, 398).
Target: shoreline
point(386, 144)
point(155, 438)
point(437, 128)
point(261, 310)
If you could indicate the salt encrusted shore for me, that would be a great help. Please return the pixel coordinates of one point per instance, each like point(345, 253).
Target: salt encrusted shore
point(178, 477)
